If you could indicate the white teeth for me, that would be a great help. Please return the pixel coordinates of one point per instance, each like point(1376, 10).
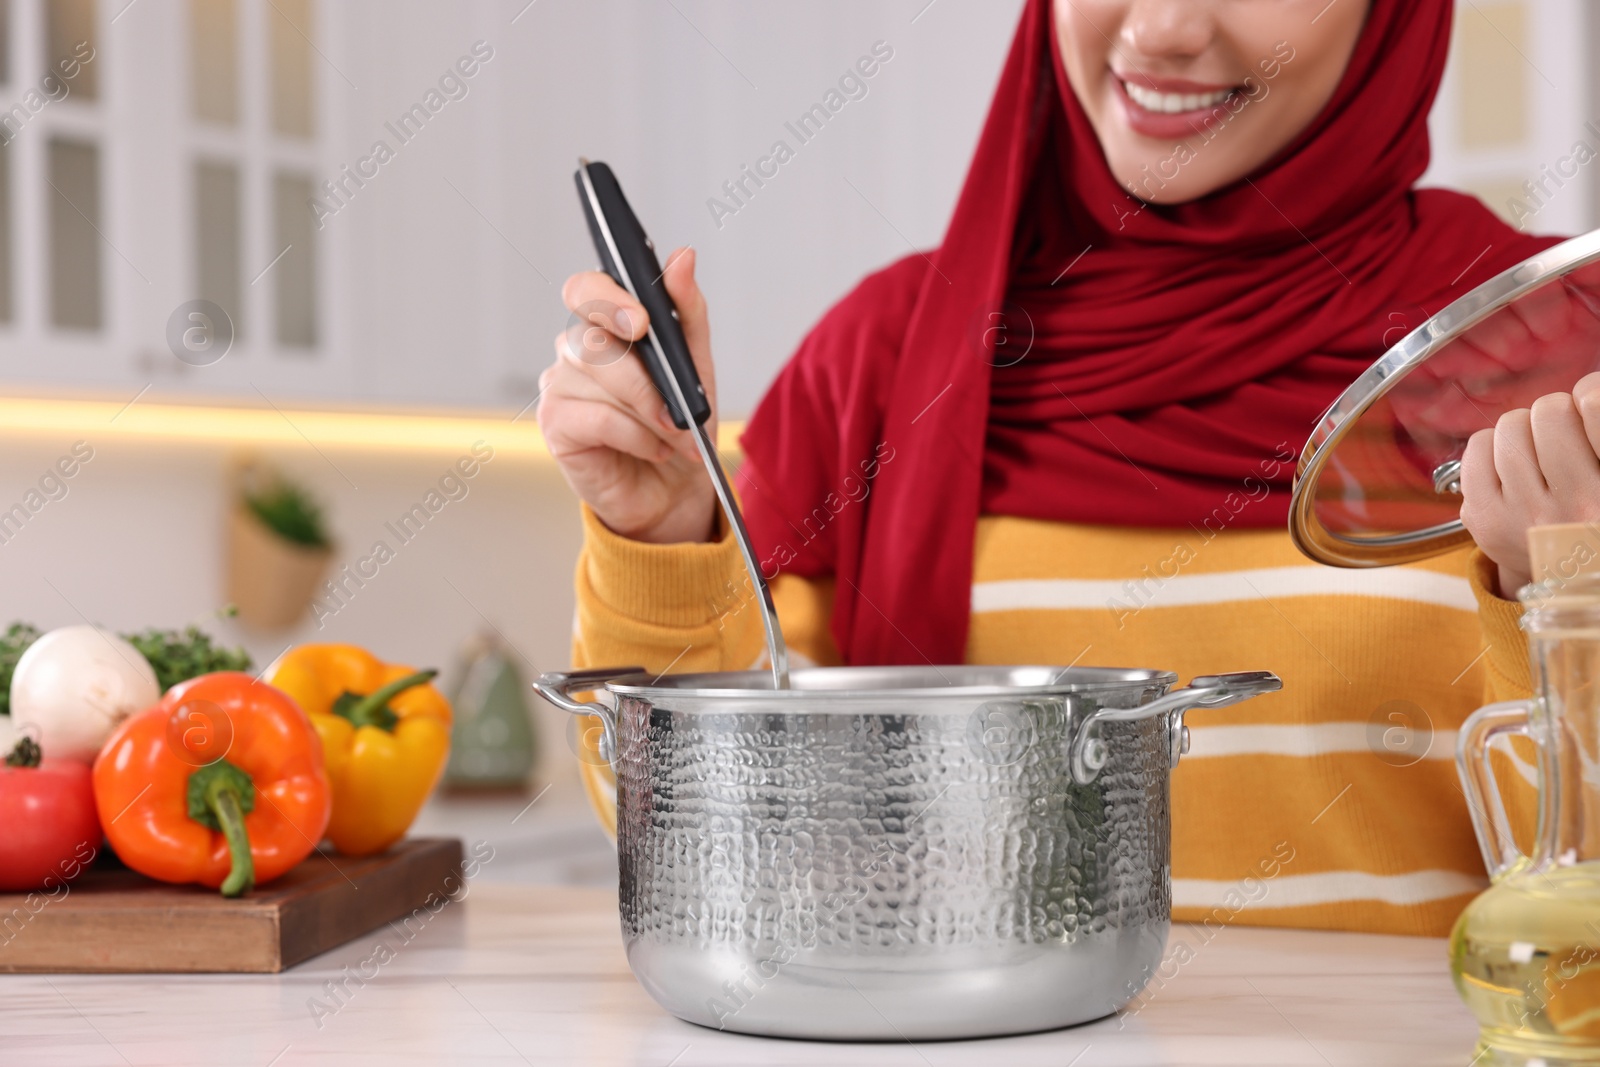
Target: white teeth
point(1173, 103)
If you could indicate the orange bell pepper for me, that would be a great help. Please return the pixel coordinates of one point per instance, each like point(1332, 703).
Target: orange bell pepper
point(385, 734)
point(220, 784)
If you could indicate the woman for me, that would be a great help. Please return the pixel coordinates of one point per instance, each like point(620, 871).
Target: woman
point(1201, 213)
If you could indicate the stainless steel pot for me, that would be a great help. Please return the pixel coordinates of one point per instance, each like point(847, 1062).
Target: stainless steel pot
point(888, 853)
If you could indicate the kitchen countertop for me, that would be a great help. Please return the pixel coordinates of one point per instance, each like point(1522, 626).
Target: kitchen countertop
point(536, 974)
point(547, 835)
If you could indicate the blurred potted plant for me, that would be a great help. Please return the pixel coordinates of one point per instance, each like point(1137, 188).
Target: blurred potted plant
point(279, 549)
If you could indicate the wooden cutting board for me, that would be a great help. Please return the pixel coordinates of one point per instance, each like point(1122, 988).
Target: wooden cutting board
point(115, 920)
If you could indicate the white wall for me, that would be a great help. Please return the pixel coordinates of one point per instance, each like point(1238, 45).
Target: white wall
point(138, 541)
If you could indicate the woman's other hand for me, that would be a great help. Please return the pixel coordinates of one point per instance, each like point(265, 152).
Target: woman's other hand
point(1537, 466)
point(607, 426)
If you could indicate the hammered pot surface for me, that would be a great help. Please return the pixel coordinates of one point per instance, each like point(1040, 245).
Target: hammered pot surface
point(892, 876)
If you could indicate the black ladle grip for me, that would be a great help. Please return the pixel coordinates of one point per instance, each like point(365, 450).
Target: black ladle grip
point(627, 254)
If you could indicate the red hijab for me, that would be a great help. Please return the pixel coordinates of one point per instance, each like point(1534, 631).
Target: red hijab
point(1175, 351)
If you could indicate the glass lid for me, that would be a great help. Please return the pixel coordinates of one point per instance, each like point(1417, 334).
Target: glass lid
point(1378, 481)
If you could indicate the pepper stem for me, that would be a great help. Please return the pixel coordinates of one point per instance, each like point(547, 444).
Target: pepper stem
point(25, 753)
point(220, 795)
point(224, 804)
point(373, 709)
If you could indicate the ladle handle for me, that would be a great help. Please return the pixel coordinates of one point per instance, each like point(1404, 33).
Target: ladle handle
point(627, 254)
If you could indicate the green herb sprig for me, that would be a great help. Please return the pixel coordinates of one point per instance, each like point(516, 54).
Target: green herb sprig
point(15, 641)
point(178, 656)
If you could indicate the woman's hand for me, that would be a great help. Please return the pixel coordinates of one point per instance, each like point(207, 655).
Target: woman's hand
point(607, 426)
point(1539, 465)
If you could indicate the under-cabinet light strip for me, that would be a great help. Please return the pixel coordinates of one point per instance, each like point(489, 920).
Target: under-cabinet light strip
point(217, 424)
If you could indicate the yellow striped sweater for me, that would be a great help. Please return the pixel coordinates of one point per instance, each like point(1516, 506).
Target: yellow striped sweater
point(1331, 804)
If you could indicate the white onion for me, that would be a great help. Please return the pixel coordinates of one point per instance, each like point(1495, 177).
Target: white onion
point(75, 684)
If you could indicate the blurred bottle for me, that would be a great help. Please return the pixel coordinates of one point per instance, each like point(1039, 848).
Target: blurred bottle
point(492, 744)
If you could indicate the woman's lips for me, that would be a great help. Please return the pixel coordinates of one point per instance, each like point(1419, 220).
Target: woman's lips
point(1155, 110)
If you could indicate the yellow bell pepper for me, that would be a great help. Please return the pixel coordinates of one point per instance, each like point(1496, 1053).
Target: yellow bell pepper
point(385, 737)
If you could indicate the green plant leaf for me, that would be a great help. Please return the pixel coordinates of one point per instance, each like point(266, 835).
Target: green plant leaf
point(290, 512)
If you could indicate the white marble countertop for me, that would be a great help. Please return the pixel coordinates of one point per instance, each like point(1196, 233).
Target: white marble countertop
point(536, 975)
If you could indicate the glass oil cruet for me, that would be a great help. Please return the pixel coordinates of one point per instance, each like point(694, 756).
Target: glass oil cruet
point(1526, 953)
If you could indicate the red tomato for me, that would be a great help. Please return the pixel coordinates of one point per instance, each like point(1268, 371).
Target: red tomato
point(51, 830)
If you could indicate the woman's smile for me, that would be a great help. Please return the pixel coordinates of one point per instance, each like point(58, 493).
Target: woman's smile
point(1222, 87)
point(1168, 109)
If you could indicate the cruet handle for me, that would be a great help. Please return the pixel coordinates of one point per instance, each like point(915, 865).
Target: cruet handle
point(1513, 718)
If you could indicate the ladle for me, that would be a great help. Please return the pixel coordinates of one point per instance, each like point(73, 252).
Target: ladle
point(626, 253)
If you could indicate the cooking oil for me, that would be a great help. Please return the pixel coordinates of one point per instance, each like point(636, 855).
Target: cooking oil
point(1526, 959)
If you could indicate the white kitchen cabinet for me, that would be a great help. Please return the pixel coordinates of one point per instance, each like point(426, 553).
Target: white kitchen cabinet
point(433, 279)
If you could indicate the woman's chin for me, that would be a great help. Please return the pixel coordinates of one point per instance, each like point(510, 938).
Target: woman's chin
point(1147, 181)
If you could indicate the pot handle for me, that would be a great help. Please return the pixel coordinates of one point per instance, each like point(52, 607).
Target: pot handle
point(1089, 752)
point(558, 686)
